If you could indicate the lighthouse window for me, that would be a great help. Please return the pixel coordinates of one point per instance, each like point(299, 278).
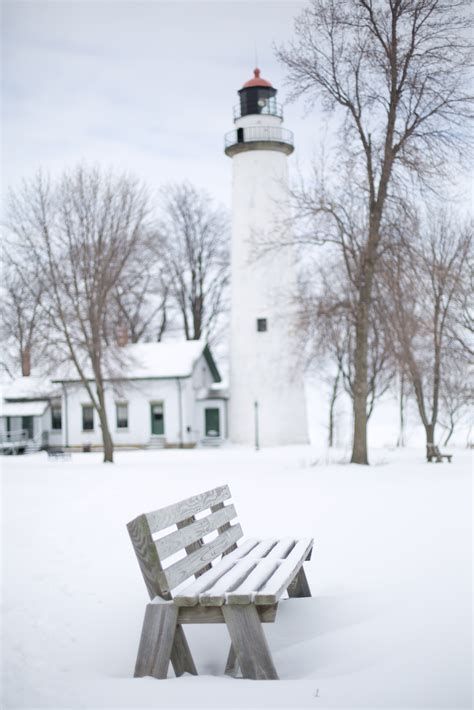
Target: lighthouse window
point(261, 325)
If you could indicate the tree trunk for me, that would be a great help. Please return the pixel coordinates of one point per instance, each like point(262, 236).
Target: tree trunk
point(106, 436)
point(429, 429)
point(163, 325)
point(450, 431)
point(366, 276)
point(197, 317)
point(359, 445)
point(332, 404)
point(26, 362)
point(401, 435)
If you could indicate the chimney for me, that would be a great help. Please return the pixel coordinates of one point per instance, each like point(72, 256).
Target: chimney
point(26, 362)
point(122, 336)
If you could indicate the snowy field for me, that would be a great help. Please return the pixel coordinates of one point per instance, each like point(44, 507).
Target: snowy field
point(389, 624)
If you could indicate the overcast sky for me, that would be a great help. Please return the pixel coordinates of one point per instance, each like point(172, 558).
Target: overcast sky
point(147, 86)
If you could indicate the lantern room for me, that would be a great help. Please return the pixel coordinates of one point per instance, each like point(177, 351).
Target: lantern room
point(257, 96)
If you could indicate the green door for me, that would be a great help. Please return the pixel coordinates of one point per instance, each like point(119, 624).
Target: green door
point(213, 427)
point(157, 419)
point(27, 423)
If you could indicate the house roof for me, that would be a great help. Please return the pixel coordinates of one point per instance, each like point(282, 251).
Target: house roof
point(157, 361)
point(23, 409)
point(28, 388)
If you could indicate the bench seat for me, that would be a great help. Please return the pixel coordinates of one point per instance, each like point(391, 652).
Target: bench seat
point(257, 572)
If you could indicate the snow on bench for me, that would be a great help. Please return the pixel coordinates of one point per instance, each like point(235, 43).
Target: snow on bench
point(237, 585)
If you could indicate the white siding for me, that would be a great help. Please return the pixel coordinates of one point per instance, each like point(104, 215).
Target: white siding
point(264, 366)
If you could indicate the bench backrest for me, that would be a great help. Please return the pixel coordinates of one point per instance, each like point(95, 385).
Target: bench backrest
point(180, 530)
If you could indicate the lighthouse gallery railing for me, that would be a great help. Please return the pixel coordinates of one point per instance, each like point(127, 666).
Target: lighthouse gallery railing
point(259, 133)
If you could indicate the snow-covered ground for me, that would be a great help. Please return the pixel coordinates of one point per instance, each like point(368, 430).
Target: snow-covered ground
point(389, 624)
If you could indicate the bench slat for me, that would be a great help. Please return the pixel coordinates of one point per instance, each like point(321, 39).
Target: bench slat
point(215, 596)
point(188, 595)
point(175, 541)
point(257, 578)
point(271, 592)
point(180, 571)
point(263, 548)
point(281, 549)
point(175, 513)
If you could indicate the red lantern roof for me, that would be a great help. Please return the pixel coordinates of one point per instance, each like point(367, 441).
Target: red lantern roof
point(256, 81)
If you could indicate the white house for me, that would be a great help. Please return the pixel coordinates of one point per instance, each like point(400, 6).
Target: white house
point(30, 414)
point(168, 394)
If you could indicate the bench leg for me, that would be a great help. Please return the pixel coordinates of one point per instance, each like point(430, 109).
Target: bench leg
point(232, 664)
point(181, 657)
point(299, 587)
point(248, 640)
point(157, 639)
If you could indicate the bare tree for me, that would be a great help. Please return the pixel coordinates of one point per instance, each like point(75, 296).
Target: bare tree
point(457, 395)
point(327, 319)
point(461, 327)
point(22, 327)
point(194, 247)
point(393, 72)
point(421, 280)
point(81, 232)
point(141, 296)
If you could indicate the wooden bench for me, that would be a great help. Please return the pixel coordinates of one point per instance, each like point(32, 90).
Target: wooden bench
point(54, 452)
point(433, 452)
point(240, 586)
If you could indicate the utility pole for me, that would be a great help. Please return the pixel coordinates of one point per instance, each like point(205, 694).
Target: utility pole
point(257, 442)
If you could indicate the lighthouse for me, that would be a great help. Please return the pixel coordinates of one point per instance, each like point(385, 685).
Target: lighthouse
point(267, 400)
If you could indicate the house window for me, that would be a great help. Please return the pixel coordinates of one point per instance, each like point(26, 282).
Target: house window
point(261, 325)
point(122, 415)
point(157, 419)
point(56, 416)
point(87, 417)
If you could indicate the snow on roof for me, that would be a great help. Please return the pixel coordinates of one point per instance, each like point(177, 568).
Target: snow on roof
point(23, 409)
point(28, 388)
point(155, 360)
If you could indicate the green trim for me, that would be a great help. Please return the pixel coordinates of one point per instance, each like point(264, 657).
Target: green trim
point(158, 424)
point(212, 365)
point(212, 421)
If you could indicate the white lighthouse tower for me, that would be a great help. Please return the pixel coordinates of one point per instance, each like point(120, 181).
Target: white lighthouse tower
point(267, 401)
